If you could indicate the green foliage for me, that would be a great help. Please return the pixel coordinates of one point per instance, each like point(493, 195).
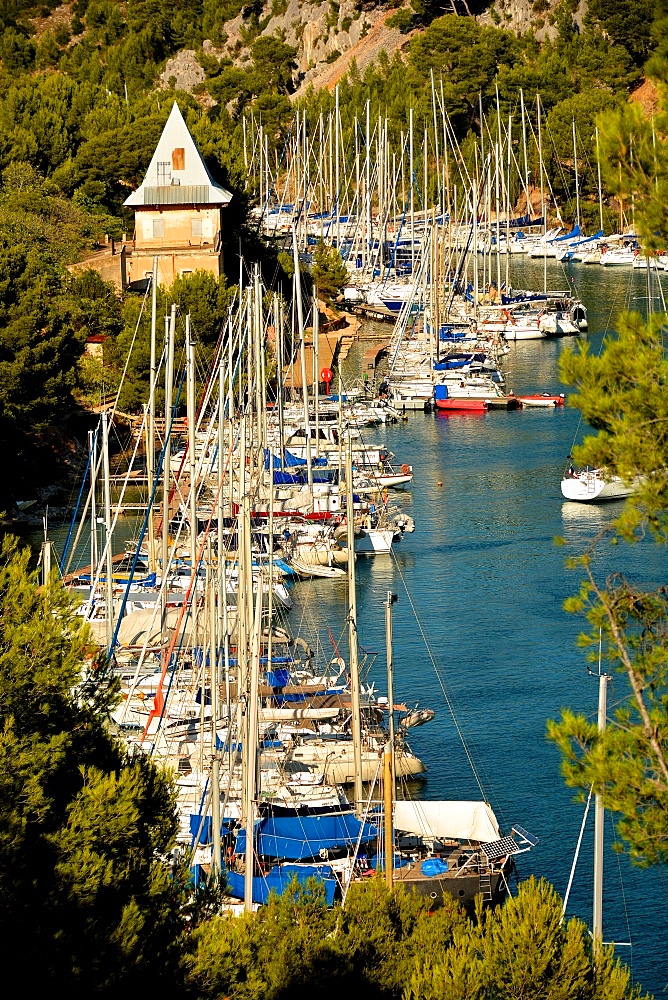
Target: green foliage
point(296, 942)
point(16, 50)
point(329, 272)
point(626, 22)
point(45, 317)
point(201, 295)
point(274, 62)
point(520, 950)
point(634, 164)
point(402, 19)
point(387, 945)
point(333, 14)
point(621, 394)
point(86, 898)
point(628, 763)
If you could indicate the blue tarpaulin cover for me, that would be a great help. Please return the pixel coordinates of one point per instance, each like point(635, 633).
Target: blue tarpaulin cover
point(297, 838)
point(378, 861)
point(434, 866)
point(279, 879)
point(290, 461)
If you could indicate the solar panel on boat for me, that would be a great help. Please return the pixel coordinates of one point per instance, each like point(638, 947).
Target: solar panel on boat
point(525, 835)
point(499, 848)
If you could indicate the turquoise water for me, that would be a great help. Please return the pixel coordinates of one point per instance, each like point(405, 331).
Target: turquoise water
point(488, 584)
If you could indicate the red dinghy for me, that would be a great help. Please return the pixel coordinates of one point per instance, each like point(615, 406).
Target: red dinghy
point(542, 399)
point(464, 403)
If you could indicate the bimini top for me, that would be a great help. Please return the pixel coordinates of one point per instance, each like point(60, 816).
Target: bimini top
point(177, 174)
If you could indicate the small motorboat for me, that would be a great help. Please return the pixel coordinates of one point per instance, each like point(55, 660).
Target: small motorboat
point(543, 399)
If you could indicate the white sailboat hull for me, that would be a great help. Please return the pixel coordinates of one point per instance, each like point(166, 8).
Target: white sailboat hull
point(590, 487)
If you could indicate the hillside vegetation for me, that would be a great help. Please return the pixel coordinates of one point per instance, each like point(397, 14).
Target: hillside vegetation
point(85, 89)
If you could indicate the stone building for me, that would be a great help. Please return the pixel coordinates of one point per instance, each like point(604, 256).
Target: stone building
point(178, 210)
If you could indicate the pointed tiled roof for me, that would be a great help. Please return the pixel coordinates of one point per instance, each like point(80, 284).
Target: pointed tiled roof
point(177, 174)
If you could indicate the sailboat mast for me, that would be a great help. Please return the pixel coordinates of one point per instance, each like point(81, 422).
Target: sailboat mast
point(92, 446)
point(252, 732)
point(542, 193)
point(169, 380)
point(302, 356)
point(192, 457)
point(150, 452)
point(577, 183)
point(411, 169)
point(599, 826)
point(388, 835)
point(600, 191)
point(213, 669)
point(391, 599)
point(316, 365)
point(337, 127)
point(109, 589)
point(352, 630)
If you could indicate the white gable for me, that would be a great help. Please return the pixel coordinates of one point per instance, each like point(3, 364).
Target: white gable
point(177, 174)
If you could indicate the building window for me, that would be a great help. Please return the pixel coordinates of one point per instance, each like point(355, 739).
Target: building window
point(158, 229)
point(183, 272)
point(178, 159)
point(195, 227)
point(164, 174)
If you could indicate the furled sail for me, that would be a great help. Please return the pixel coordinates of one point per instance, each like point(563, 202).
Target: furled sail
point(447, 820)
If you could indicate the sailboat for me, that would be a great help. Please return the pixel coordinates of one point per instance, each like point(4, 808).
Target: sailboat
point(595, 485)
point(445, 848)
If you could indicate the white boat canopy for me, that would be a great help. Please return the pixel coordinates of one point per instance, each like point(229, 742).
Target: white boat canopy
point(447, 820)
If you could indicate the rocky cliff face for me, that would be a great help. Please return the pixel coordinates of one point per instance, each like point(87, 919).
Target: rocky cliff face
point(329, 35)
point(528, 15)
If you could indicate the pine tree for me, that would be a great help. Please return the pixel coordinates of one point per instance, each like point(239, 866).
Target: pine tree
point(329, 272)
point(88, 900)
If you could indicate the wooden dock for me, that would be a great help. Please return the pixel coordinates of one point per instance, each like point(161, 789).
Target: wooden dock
point(377, 313)
point(86, 570)
point(329, 350)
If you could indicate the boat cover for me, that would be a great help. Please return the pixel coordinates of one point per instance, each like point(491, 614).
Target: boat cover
point(299, 837)
point(574, 233)
point(447, 820)
point(279, 879)
point(290, 461)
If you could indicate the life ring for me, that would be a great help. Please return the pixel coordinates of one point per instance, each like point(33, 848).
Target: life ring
point(405, 469)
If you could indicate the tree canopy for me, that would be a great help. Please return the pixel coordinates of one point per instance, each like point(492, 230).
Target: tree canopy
point(388, 945)
point(88, 898)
